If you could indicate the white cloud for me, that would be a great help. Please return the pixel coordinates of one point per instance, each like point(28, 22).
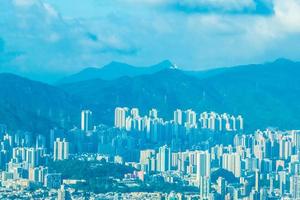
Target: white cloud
point(50, 10)
point(287, 14)
point(49, 42)
point(24, 3)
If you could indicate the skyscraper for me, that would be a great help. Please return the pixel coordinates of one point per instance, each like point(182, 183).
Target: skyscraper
point(232, 163)
point(153, 113)
point(52, 180)
point(135, 113)
point(31, 157)
point(37, 174)
point(178, 118)
point(120, 117)
point(221, 182)
point(86, 120)
point(191, 118)
point(204, 186)
point(295, 186)
point(61, 149)
point(203, 173)
point(164, 159)
point(240, 123)
point(203, 164)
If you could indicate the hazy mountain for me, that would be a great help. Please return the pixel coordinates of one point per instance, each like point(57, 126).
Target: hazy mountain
point(115, 70)
point(34, 106)
point(166, 90)
point(266, 94)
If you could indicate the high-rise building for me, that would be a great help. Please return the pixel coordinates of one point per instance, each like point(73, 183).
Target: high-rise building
point(37, 174)
point(55, 133)
point(191, 118)
point(232, 163)
point(63, 194)
point(178, 117)
point(164, 159)
point(204, 186)
point(120, 117)
point(33, 174)
point(240, 123)
point(295, 186)
point(61, 149)
point(153, 113)
point(212, 121)
point(31, 157)
point(221, 182)
point(135, 113)
point(296, 139)
point(86, 120)
point(203, 173)
point(146, 159)
point(40, 141)
point(52, 180)
point(203, 164)
point(257, 180)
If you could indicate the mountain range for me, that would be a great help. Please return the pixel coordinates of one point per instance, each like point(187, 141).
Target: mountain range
point(34, 106)
point(115, 70)
point(267, 95)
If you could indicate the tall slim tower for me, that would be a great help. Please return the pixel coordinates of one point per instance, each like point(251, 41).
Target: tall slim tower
point(203, 164)
point(191, 118)
point(86, 120)
point(120, 117)
point(61, 149)
point(178, 117)
point(295, 186)
point(204, 187)
point(164, 158)
point(31, 157)
point(203, 173)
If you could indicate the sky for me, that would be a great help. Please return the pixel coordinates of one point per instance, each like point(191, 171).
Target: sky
point(60, 37)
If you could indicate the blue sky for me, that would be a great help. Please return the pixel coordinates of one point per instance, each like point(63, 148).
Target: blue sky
point(63, 36)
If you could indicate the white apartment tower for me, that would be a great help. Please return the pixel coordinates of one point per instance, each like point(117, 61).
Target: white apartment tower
point(164, 159)
point(120, 117)
point(203, 173)
point(86, 120)
point(178, 117)
point(61, 149)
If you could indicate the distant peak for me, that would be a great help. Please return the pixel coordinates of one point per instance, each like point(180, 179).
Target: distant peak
point(116, 63)
point(174, 66)
point(90, 68)
point(283, 60)
point(167, 64)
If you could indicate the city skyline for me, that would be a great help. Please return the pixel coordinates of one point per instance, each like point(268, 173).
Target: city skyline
point(260, 165)
point(150, 99)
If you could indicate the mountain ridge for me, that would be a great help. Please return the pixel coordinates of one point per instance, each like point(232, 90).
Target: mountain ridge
point(255, 91)
point(33, 105)
point(114, 70)
point(265, 94)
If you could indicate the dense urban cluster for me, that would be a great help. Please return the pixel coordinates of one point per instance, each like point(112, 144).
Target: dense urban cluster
point(264, 165)
point(192, 156)
point(130, 120)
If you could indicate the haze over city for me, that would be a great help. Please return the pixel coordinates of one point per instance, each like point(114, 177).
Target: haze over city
point(150, 99)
